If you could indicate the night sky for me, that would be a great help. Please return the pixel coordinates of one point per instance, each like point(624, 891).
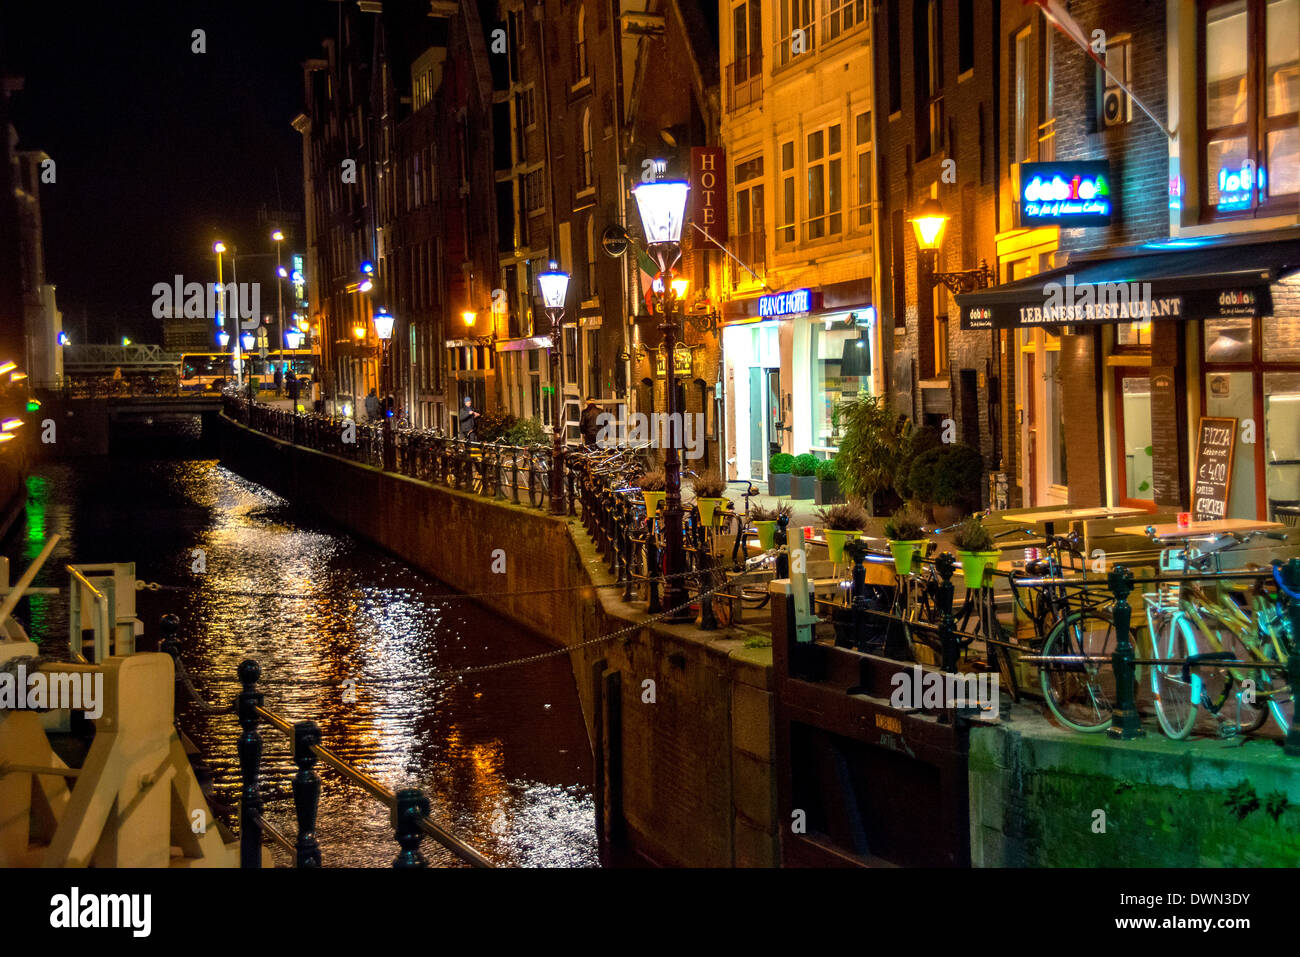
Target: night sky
point(159, 150)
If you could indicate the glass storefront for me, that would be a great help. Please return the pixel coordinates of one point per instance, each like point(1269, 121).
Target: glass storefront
point(828, 387)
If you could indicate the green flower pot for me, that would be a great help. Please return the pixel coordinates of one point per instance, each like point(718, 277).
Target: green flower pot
point(835, 539)
point(903, 553)
point(707, 507)
point(974, 564)
point(652, 501)
point(766, 534)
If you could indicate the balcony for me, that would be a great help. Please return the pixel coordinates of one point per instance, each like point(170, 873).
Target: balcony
point(843, 18)
point(744, 82)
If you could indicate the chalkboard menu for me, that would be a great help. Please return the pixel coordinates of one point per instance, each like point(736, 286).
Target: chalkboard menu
point(1215, 441)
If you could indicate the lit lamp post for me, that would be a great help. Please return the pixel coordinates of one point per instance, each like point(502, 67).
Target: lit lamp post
point(930, 222)
point(219, 248)
point(247, 340)
point(277, 237)
point(384, 321)
point(663, 207)
point(555, 286)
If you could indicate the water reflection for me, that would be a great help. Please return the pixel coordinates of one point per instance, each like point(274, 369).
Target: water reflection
point(346, 636)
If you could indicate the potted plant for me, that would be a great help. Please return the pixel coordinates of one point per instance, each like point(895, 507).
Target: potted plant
point(919, 439)
point(803, 476)
point(708, 488)
point(764, 521)
point(869, 448)
point(905, 533)
point(653, 487)
point(948, 479)
point(975, 550)
point(839, 524)
point(778, 471)
point(828, 485)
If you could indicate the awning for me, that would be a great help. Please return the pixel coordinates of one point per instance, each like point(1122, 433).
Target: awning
point(1174, 279)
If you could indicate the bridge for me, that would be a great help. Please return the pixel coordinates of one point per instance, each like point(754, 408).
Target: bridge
point(90, 411)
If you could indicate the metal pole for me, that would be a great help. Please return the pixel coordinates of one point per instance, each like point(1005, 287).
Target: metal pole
point(1125, 724)
point(1290, 575)
point(557, 448)
point(239, 361)
point(279, 305)
point(675, 591)
point(250, 756)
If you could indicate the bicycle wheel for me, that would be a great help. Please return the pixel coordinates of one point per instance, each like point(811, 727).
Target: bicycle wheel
point(1081, 694)
point(1176, 700)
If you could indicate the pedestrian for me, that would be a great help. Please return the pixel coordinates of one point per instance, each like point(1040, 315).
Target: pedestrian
point(466, 419)
point(588, 425)
point(372, 406)
point(279, 381)
point(291, 384)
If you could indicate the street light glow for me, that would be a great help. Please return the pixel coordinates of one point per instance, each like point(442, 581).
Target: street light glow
point(218, 247)
point(384, 321)
point(469, 316)
point(277, 236)
point(663, 208)
point(223, 338)
point(554, 284)
point(929, 222)
point(680, 285)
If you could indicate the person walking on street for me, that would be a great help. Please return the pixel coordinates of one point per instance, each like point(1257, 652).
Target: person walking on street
point(588, 425)
point(279, 381)
point(466, 419)
point(372, 406)
point(291, 386)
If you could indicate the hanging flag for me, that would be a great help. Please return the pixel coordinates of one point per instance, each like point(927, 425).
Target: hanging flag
point(1059, 17)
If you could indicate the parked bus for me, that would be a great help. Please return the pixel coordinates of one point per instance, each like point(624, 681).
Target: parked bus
point(211, 371)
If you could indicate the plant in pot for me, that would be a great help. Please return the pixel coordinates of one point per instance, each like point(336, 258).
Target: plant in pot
point(869, 448)
point(906, 534)
point(764, 521)
point(828, 485)
point(975, 550)
point(708, 488)
point(948, 479)
point(778, 471)
point(803, 476)
point(653, 487)
point(919, 439)
point(839, 524)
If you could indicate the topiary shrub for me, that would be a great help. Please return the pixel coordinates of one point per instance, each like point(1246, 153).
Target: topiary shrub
point(948, 475)
point(918, 440)
point(781, 463)
point(805, 464)
point(826, 471)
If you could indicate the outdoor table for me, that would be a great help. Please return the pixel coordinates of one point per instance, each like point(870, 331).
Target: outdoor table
point(1049, 519)
point(1217, 526)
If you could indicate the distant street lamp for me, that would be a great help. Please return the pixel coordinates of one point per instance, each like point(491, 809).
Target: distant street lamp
point(554, 284)
point(663, 208)
point(384, 321)
point(277, 237)
point(219, 248)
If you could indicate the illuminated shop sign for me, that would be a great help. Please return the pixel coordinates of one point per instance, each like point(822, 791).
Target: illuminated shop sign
point(1235, 185)
point(1065, 194)
point(785, 303)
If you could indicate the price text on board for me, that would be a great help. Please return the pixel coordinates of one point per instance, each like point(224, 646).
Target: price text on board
point(1216, 440)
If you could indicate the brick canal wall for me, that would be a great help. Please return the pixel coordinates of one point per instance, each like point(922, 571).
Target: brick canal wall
point(684, 765)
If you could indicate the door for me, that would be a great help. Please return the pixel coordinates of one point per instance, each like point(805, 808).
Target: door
point(1031, 419)
point(775, 424)
point(757, 426)
point(1134, 466)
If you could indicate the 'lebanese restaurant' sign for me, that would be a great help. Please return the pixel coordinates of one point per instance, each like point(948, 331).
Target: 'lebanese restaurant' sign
point(785, 303)
point(1065, 194)
point(1065, 304)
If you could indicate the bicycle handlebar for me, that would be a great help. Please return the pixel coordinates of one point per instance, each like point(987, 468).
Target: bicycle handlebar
point(1277, 577)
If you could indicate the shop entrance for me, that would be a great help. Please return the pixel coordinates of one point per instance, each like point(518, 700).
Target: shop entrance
point(764, 418)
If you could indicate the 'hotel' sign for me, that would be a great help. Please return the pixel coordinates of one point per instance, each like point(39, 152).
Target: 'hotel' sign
point(785, 303)
point(709, 190)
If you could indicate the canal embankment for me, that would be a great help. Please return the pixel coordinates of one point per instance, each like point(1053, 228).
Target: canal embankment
point(680, 720)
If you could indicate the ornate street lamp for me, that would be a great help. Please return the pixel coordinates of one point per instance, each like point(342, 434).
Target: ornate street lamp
point(384, 321)
point(663, 209)
point(930, 222)
point(554, 285)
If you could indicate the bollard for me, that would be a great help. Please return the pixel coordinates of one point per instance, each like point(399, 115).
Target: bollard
point(306, 792)
point(1289, 575)
point(858, 552)
point(781, 540)
point(951, 650)
point(250, 756)
point(1125, 724)
point(412, 805)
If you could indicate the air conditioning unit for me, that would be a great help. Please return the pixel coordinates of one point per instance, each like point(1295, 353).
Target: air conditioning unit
point(1116, 107)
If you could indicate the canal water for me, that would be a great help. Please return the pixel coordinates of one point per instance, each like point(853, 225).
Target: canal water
point(346, 635)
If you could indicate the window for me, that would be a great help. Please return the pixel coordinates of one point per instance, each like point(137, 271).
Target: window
point(1250, 106)
point(745, 74)
point(895, 59)
point(534, 195)
point(580, 45)
point(786, 233)
point(750, 242)
point(571, 355)
point(1046, 97)
point(929, 75)
point(1020, 90)
point(591, 257)
point(798, 31)
point(585, 170)
point(824, 183)
point(965, 35)
point(862, 143)
point(593, 362)
point(843, 15)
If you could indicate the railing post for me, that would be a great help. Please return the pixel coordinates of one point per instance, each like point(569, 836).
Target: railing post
point(781, 540)
point(1290, 575)
point(1125, 725)
point(625, 524)
point(951, 651)
point(250, 757)
point(412, 805)
point(306, 792)
point(652, 565)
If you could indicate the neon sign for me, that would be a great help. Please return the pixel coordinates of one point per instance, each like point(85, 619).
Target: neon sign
point(1235, 185)
point(1065, 194)
point(785, 303)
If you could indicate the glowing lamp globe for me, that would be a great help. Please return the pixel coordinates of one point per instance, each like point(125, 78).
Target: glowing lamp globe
point(384, 325)
point(929, 223)
point(663, 209)
point(554, 285)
